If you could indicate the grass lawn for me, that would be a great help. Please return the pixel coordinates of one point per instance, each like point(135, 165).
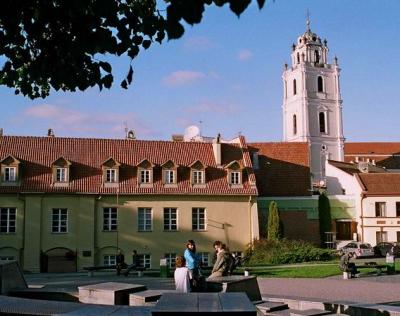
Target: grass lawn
point(322, 270)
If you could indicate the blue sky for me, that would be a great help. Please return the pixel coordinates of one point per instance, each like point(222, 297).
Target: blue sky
point(226, 74)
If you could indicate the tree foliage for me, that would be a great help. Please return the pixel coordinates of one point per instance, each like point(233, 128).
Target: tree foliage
point(62, 44)
point(324, 214)
point(273, 222)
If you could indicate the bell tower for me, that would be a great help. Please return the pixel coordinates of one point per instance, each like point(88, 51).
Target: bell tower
point(312, 104)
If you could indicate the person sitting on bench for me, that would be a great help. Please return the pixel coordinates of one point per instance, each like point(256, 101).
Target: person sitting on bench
point(346, 266)
point(135, 263)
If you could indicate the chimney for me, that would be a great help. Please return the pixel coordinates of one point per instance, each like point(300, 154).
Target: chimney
point(50, 133)
point(131, 135)
point(1, 132)
point(177, 138)
point(217, 149)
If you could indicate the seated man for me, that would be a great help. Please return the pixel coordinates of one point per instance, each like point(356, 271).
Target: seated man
point(222, 264)
point(346, 266)
point(135, 263)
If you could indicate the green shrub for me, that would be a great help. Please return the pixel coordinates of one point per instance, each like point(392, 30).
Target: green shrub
point(285, 251)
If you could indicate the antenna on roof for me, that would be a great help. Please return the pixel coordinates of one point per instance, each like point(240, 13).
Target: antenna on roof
point(1, 131)
point(126, 129)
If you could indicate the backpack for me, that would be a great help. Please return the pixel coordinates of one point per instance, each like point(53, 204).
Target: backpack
point(233, 262)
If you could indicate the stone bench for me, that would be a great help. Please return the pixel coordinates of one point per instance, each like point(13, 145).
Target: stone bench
point(298, 312)
point(236, 283)
point(267, 307)
point(108, 293)
point(204, 304)
point(90, 270)
point(147, 298)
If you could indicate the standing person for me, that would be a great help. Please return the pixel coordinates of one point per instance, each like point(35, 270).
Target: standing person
point(221, 265)
point(346, 266)
point(181, 275)
point(192, 263)
point(119, 261)
point(135, 263)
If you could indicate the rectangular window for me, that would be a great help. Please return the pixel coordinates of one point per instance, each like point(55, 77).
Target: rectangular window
point(380, 209)
point(171, 258)
point(198, 177)
point(144, 176)
point(10, 174)
point(8, 218)
point(111, 175)
point(381, 236)
point(145, 260)
point(398, 236)
point(170, 219)
point(323, 123)
point(145, 219)
point(235, 177)
point(198, 218)
point(59, 220)
point(109, 219)
point(397, 209)
point(7, 258)
point(169, 176)
point(109, 260)
point(61, 174)
point(204, 258)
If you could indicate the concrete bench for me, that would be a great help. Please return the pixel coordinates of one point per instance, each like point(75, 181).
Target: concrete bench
point(204, 304)
point(108, 293)
point(236, 283)
point(90, 270)
point(267, 307)
point(147, 298)
point(297, 312)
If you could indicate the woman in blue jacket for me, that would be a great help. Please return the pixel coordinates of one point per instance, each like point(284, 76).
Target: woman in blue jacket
point(192, 263)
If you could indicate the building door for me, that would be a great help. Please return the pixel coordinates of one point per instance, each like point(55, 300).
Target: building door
point(344, 231)
point(60, 260)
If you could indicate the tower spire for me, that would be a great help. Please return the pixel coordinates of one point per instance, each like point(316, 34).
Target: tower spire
point(308, 21)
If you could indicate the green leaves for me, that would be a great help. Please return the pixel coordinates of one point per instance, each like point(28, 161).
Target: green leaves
point(59, 44)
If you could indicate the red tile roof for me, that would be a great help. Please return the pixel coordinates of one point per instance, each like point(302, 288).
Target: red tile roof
point(385, 154)
point(284, 169)
point(87, 156)
point(380, 183)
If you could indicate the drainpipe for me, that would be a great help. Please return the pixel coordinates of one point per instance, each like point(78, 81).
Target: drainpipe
point(363, 196)
point(251, 222)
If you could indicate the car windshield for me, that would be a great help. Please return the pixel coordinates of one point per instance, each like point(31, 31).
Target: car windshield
point(365, 246)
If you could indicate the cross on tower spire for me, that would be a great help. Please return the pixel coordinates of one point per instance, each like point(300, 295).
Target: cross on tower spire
point(308, 21)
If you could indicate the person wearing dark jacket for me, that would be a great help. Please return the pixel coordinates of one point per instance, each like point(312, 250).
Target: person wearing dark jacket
point(119, 261)
point(135, 263)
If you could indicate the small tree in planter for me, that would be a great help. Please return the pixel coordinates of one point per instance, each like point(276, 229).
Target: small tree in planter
point(324, 214)
point(273, 222)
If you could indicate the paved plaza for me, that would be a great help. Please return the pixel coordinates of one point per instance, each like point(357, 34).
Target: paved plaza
point(367, 289)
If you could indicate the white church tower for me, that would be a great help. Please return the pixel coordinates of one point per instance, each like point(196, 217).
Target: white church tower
point(312, 105)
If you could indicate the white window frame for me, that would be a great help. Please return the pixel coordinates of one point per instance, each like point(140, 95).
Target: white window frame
point(171, 259)
point(61, 174)
point(168, 219)
point(145, 176)
point(382, 209)
point(169, 176)
point(145, 222)
point(235, 177)
point(111, 175)
point(57, 215)
point(197, 219)
point(109, 260)
point(110, 219)
point(8, 220)
point(381, 236)
point(204, 258)
point(198, 176)
point(145, 260)
point(10, 174)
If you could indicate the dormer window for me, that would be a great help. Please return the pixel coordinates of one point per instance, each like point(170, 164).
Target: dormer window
point(60, 170)
point(169, 173)
point(145, 173)
point(234, 171)
point(111, 172)
point(111, 175)
point(9, 171)
point(197, 174)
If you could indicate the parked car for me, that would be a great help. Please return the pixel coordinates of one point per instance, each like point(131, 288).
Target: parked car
point(384, 247)
point(359, 249)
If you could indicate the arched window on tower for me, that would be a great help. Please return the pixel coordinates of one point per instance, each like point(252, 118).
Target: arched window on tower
point(298, 58)
point(316, 56)
point(294, 87)
point(294, 124)
point(322, 123)
point(320, 84)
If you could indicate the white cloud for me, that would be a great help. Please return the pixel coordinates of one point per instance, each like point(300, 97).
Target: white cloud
point(244, 54)
point(70, 121)
point(213, 107)
point(198, 43)
point(183, 77)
